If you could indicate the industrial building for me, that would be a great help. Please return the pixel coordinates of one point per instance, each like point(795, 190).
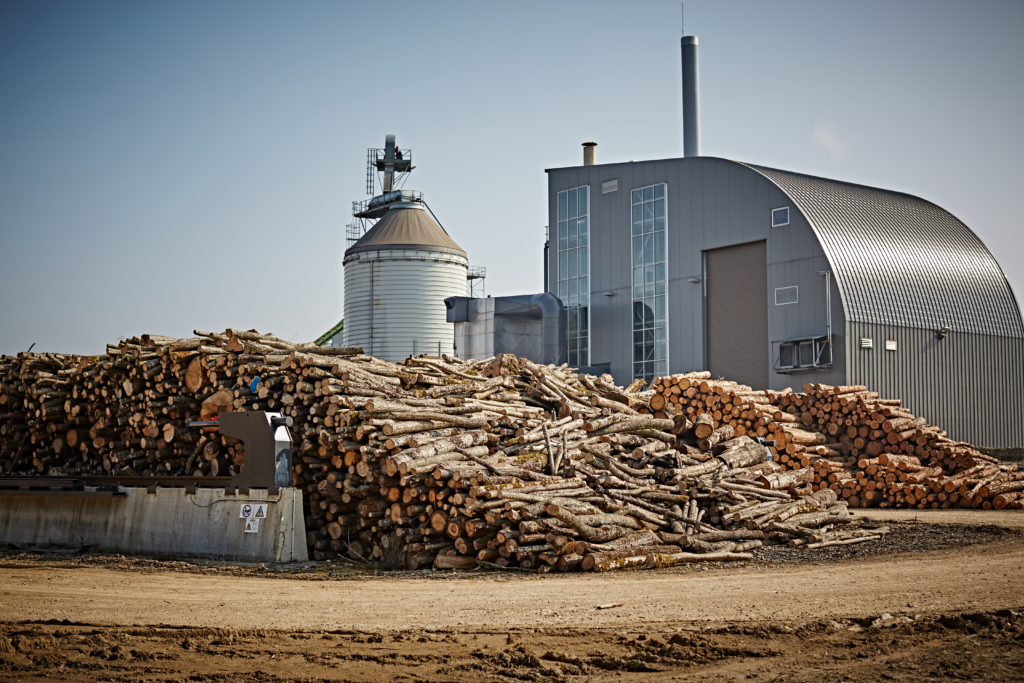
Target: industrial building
point(774, 279)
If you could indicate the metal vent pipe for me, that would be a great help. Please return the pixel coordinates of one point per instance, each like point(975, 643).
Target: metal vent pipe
point(589, 153)
point(691, 98)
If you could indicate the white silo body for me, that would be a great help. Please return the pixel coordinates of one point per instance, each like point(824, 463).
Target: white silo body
point(397, 277)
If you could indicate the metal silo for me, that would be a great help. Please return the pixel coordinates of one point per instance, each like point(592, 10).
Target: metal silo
point(397, 277)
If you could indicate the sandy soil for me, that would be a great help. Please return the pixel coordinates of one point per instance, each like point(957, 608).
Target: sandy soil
point(774, 623)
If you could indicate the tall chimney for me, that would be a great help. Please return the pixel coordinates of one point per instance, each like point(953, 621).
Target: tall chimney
point(589, 153)
point(691, 98)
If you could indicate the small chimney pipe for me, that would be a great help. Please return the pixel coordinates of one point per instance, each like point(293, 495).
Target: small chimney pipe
point(691, 98)
point(589, 153)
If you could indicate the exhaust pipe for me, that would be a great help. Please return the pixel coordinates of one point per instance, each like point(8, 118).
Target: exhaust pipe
point(691, 98)
point(589, 153)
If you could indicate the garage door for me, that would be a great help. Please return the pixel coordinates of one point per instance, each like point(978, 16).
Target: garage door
point(737, 334)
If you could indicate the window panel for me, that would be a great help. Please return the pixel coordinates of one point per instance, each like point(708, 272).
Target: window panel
point(573, 268)
point(650, 281)
point(584, 322)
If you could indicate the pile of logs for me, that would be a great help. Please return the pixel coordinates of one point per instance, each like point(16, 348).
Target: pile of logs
point(869, 450)
point(493, 463)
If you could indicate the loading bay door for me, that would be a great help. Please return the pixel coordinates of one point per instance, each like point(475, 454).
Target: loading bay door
point(737, 309)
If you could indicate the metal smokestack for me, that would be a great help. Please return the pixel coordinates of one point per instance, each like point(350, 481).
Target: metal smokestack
point(691, 98)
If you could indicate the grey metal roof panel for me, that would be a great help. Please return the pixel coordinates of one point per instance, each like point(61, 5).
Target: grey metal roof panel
point(901, 260)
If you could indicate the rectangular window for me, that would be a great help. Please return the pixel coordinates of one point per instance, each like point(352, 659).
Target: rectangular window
point(573, 269)
point(780, 217)
point(650, 282)
point(786, 295)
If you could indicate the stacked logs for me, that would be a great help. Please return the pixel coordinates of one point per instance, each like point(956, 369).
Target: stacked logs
point(870, 451)
point(434, 461)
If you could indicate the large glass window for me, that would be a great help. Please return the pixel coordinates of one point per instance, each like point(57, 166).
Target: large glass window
point(574, 270)
point(650, 283)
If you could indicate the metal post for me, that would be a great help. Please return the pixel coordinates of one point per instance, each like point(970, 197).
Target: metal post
point(828, 309)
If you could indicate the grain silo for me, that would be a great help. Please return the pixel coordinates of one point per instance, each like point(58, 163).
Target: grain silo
point(400, 271)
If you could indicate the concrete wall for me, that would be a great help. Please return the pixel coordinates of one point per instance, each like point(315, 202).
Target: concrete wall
point(168, 523)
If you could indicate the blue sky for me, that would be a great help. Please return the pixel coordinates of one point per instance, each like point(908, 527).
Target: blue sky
point(170, 166)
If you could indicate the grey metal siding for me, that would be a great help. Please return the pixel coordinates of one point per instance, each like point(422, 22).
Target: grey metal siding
point(969, 384)
point(712, 203)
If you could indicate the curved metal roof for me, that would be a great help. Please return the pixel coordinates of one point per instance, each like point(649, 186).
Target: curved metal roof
point(901, 260)
point(406, 226)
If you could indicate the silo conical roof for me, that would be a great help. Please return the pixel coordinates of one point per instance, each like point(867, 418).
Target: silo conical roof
point(406, 226)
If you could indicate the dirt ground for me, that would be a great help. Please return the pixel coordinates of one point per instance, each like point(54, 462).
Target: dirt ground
point(954, 610)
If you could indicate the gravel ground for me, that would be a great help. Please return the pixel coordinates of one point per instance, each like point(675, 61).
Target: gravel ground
point(903, 537)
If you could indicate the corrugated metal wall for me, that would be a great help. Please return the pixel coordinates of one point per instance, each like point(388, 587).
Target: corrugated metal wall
point(404, 300)
point(969, 384)
point(737, 319)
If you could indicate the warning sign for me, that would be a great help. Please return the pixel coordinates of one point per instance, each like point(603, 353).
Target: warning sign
point(252, 526)
point(253, 511)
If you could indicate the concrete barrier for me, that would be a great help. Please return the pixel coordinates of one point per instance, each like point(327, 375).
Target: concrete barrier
point(167, 523)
